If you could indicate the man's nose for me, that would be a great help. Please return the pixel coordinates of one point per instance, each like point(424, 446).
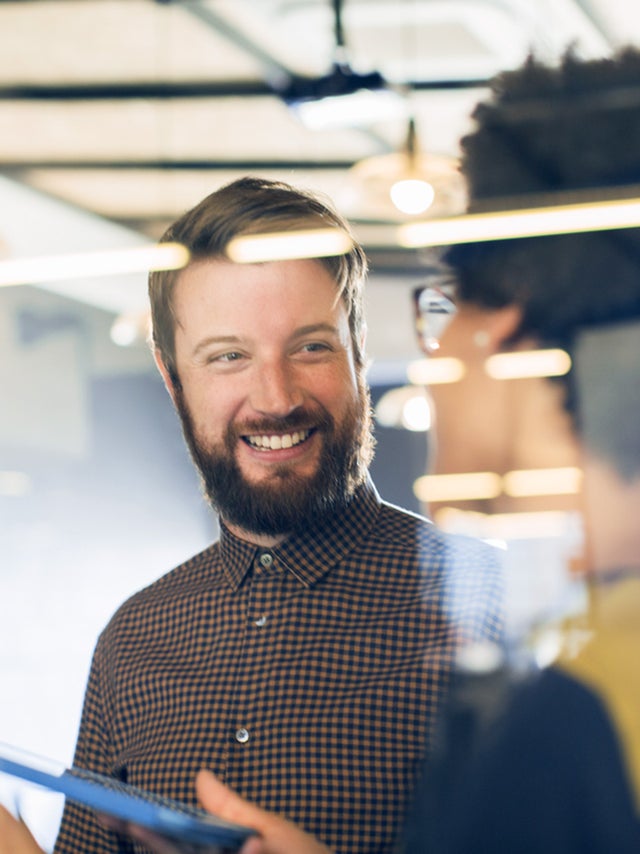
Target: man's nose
point(276, 391)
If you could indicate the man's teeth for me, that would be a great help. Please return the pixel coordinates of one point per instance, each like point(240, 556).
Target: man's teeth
point(276, 443)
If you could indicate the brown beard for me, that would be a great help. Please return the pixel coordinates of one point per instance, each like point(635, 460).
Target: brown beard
point(289, 501)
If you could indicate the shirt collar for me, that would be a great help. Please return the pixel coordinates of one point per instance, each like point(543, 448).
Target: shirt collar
point(311, 553)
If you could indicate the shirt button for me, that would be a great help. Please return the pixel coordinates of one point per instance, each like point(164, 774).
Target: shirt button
point(266, 559)
point(261, 621)
point(242, 735)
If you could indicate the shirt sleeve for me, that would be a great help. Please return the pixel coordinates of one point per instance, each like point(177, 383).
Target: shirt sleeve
point(80, 829)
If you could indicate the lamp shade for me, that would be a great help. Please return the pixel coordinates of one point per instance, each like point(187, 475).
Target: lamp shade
point(374, 185)
point(405, 183)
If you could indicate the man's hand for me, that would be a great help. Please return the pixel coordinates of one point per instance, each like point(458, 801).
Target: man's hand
point(15, 837)
point(276, 835)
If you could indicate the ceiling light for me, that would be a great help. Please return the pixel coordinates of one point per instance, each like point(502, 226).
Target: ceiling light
point(406, 407)
point(435, 371)
point(412, 195)
point(287, 245)
point(458, 487)
point(49, 268)
point(528, 363)
point(416, 414)
point(595, 215)
point(556, 481)
point(481, 485)
point(404, 183)
point(130, 329)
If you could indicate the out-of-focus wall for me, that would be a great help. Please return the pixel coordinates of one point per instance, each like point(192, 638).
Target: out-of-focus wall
point(97, 499)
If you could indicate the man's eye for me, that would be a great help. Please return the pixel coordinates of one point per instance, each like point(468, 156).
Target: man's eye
point(233, 356)
point(315, 347)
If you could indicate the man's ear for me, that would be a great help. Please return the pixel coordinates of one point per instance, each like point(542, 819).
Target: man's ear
point(363, 339)
point(164, 371)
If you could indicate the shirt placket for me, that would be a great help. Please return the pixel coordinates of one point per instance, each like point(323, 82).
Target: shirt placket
point(267, 580)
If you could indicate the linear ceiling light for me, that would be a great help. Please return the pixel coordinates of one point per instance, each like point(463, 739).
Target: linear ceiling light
point(528, 363)
point(458, 487)
point(112, 262)
point(517, 484)
point(288, 245)
point(528, 482)
point(435, 370)
point(438, 370)
point(594, 215)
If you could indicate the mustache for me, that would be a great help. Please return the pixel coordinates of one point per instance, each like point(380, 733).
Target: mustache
point(288, 423)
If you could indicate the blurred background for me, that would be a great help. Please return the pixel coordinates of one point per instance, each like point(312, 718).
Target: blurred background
point(115, 117)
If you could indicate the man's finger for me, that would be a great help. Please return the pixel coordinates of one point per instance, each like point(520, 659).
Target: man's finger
point(276, 834)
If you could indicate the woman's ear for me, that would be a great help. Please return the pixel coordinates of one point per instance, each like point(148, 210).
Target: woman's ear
point(499, 325)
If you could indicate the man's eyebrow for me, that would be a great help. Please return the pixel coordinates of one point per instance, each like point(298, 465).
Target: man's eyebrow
point(212, 340)
point(311, 328)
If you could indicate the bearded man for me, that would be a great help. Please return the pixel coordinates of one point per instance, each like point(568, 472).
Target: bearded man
point(302, 657)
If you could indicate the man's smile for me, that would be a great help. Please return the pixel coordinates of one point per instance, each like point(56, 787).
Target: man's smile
point(278, 441)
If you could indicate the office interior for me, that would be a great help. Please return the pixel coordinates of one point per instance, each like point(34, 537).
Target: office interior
point(115, 117)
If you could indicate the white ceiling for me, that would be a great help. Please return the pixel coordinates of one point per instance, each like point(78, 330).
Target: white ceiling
point(120, 114)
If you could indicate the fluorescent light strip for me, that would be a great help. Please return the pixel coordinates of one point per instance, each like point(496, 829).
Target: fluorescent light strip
point(458, 487)
point(435, 371)
point(501, 366)
point(482, 485)
point(528, 363)
point(556, 481)
point(113, 262)
point(529, 222)
point(289, 245)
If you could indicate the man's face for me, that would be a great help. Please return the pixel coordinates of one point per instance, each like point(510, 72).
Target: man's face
point(273, 409)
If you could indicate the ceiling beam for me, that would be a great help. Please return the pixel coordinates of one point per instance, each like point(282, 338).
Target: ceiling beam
point(13, 166)
point(161, 91)
point(123, 90)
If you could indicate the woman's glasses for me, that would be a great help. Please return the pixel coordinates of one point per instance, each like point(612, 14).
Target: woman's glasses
point(433, 310)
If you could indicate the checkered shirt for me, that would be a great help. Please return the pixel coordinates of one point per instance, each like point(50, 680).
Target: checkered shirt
point(307, 676)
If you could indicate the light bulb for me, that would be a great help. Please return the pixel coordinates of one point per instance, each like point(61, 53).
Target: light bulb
point(412, 195)
point(416, 414)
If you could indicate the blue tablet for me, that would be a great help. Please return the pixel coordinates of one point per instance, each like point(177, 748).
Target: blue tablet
point(165, 817)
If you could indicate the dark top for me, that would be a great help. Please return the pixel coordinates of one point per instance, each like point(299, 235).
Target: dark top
point(554, 768)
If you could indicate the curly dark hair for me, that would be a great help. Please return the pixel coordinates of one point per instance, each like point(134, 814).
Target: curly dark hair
point(556, 129)
point(570, 127)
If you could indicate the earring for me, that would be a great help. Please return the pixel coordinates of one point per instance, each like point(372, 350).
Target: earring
point(481, 338)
